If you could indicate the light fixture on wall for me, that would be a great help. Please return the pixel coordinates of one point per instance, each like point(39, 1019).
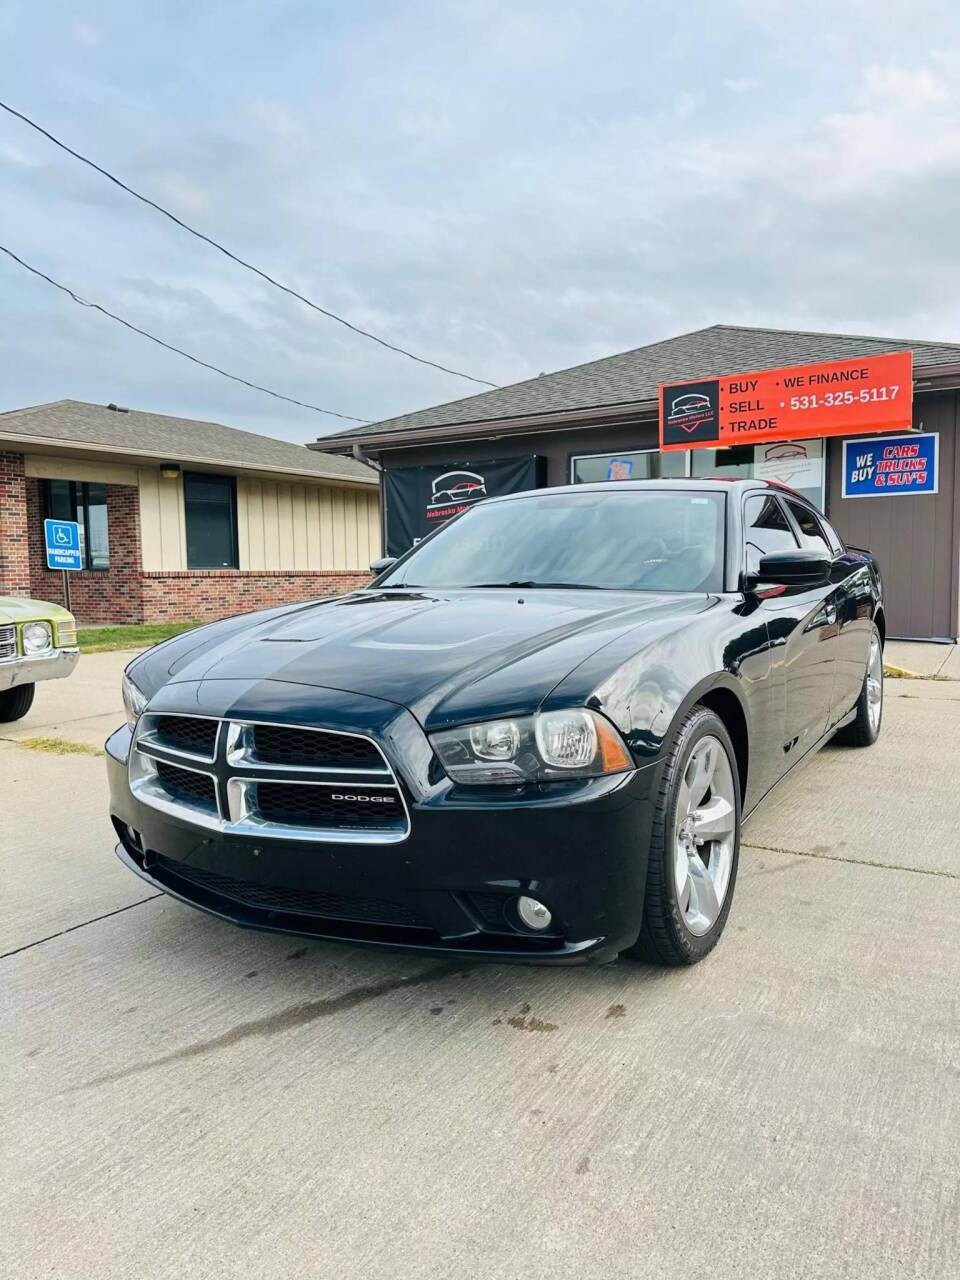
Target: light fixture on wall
point(170, 470)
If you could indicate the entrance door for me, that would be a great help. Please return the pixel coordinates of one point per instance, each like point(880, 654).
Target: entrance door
point(912, 536)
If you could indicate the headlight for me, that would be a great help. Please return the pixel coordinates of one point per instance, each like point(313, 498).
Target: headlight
point(134, 700)
point(547, 747)
point(37, 637)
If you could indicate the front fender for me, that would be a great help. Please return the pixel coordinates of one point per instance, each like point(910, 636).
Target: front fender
point(723, 651)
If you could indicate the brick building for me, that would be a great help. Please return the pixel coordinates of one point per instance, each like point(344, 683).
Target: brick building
point(179, 519)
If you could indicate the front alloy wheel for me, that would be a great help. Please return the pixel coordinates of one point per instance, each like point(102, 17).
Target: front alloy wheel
point(706, 835)
point(695, 845)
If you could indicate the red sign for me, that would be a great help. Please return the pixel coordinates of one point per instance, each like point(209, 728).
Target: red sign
point(839, 398)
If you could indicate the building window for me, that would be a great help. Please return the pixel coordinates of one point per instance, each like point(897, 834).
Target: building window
point(797, 463)
point(642, 464)
point(87, 505)
point(210, 503)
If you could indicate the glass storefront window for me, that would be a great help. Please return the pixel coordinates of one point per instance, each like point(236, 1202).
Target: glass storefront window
point(797, 463)
point(642, 464)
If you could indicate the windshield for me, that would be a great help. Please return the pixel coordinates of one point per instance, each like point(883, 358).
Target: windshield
point(622, 540)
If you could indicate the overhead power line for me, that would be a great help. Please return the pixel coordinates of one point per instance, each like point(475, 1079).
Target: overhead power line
point(332, 315)
point(95, 306)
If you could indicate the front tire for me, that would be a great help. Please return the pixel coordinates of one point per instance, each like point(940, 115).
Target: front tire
point(695, 845)
point(864, 729)
point(15, 703)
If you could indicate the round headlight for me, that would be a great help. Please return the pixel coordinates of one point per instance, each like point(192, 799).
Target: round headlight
point(37, 637)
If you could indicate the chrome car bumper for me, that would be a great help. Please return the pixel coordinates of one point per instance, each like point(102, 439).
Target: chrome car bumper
point(44, 666)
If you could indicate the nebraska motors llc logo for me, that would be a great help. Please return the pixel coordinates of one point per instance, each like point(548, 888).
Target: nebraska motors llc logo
point(691, 412)
point(453, 491)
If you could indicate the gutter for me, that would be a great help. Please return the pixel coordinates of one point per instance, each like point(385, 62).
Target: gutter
point(495, 428)
point(57, 445)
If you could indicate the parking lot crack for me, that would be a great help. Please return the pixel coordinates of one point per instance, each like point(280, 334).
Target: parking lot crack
point(854, 862)
point(28, 946)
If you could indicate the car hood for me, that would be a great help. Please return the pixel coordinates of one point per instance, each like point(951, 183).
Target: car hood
point(447, 656)
point(20, 610)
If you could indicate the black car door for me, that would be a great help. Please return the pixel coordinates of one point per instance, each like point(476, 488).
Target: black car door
point(855, 607)
point(824, 625)
point(802, 625)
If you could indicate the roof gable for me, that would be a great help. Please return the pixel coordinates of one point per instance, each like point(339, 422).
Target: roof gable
point(162, 436)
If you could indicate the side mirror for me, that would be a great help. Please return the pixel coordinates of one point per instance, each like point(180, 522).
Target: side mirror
point(383, 564)
point(800, 568)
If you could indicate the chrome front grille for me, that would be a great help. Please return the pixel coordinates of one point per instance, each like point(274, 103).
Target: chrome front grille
point(8, 642)
point(268, 780)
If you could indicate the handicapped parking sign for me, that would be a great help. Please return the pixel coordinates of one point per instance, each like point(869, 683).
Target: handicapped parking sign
point(62, 538)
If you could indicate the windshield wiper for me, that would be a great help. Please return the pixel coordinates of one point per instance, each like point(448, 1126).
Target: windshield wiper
point(568, 586)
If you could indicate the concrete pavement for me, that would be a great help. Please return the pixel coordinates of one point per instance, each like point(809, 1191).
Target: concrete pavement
point(86, 707)
point(184, 1098)
point(924, 659)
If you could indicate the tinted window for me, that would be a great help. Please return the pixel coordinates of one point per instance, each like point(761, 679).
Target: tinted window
point(617, 539)
point(211, 515)
point(836, 542)
point(765, 529)
point(811, 534)
point(95, 525)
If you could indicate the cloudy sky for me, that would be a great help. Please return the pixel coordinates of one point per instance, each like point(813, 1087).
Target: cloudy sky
point(500, 185)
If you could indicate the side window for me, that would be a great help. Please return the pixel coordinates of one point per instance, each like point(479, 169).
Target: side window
point(811, 532)
point(836, 542)
point(765, 529)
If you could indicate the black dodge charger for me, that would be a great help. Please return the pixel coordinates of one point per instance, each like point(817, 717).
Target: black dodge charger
point(534, 737)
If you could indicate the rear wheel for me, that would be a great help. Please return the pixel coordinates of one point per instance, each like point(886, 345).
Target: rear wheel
point(15, 703)
point(864, 729)
point(695, 845)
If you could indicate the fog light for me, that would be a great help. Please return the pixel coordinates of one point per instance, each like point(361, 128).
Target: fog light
point(533, 914)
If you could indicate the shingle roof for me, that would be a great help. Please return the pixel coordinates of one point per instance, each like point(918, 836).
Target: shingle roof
point(635, 376)
point(160, 436)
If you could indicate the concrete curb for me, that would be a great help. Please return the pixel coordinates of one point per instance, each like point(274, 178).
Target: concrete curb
point(902, 673)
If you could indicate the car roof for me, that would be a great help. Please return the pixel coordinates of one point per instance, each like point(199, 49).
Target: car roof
point(694, 484)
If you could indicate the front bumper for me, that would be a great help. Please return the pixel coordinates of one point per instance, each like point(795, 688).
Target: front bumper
point(53, 665)
point(446, 888)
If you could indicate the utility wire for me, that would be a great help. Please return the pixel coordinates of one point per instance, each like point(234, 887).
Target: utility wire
point(234, 258)
point(95, 306)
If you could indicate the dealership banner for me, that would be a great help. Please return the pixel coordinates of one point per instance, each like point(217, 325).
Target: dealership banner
point(420, 499)
point(890, 466)
point(800, 402)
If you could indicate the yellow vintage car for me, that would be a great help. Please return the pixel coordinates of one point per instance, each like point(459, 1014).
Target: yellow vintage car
point(38, 641)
